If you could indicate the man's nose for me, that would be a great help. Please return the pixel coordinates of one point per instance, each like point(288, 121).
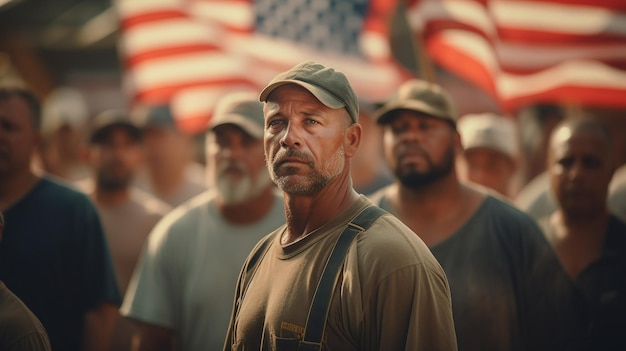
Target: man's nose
point(291, 136)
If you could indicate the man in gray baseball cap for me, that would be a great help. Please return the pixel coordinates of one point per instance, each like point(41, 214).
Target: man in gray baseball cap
point(419, 96)
point(241, 110)
point(384, 282)
point(204, 243)
point(330, 87)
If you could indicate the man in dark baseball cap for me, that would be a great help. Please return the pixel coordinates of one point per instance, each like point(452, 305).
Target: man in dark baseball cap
point(419, 96)
point(470, 230)
point(104, 123)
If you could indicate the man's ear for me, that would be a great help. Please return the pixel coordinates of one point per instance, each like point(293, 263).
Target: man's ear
point(352, 139)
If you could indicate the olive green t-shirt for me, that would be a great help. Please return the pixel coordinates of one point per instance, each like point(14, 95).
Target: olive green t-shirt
point(391, 293)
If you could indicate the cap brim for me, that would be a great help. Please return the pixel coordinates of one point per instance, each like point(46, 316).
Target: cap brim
point(322, 95)
point(254, 130)
point(99, 134)
point(383, 114)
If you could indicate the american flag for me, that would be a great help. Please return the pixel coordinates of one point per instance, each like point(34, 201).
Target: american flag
point(189, 53)
point(524, 52)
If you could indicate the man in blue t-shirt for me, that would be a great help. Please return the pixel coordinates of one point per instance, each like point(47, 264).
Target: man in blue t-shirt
point(53, 254)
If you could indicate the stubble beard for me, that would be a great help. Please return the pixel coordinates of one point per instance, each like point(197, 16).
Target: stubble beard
point(311, 183)
point(412, 178)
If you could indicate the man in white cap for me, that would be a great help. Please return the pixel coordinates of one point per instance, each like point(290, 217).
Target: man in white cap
point(183, 287)
point(65, 115)
point(490, 151)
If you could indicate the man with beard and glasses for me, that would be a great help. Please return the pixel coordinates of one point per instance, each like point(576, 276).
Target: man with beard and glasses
point(183, 288)
point(588, 238)
point(128, 214)
point(384, 292)
point(493, 254)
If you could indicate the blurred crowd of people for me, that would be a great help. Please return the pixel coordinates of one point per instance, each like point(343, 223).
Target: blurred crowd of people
point(121, 235)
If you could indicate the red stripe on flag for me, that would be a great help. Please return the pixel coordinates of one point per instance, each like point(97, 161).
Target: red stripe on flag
point(521, 49)
point(183, 50)
point(150, 17)
point(573, 95)
point(544, 37)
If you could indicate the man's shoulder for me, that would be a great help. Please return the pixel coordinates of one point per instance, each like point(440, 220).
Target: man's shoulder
point(191, 209)
point(503, 222)
point(505, 211)
point(388, 235)
point(149, 203)
point(58, 192)
point(389, 247)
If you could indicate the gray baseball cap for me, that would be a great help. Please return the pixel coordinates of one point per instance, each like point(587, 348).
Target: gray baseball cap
point(241, 109)
point(420, 96)
point(330, 87)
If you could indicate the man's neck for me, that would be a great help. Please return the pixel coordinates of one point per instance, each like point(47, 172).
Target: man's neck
point(14, 187)
point(429, 201)
point(437, 211)
point(167, 181)
point(577, 241)
point(305, 214)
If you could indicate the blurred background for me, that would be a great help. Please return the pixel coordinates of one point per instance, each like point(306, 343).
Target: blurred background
point(57, 43)
point(52, 43)
point(532, 61)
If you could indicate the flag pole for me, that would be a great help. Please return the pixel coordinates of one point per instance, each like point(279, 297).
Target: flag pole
point(425, 66)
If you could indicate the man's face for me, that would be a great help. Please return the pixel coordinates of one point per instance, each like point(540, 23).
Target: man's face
point(489, 167)
point(164, 147)
point(115, 159)
point(419, 149)
point(304, 140)
point(236, 164)
point(580, 167)
point(18, 136)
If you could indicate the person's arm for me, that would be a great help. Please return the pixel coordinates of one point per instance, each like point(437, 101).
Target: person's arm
point(150, 337)
point(99, 327)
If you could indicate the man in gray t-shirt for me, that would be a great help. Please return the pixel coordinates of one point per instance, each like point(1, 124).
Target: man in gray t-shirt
point(183, 288)
point(495, 257)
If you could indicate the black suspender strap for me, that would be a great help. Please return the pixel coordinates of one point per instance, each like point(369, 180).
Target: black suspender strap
point(316, 321)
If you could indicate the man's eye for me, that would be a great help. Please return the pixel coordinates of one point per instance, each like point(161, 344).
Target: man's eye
point(424, 125)
point(398, 128)
point(274, 122)
point(312, 121)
